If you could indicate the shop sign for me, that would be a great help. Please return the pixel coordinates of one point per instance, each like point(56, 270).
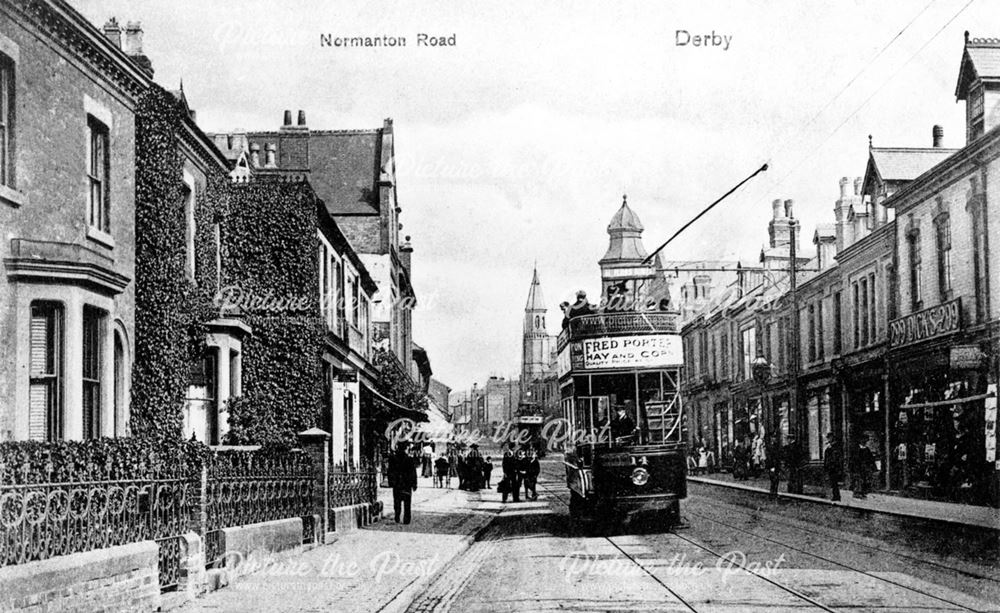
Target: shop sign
point(933, 322)
point(966, 357)
point(530, 419)
point(646, 351)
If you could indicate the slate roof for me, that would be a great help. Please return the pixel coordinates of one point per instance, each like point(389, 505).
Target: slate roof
point(825, 230)
point(981, 59)
point(906, 164)
point(345, 168)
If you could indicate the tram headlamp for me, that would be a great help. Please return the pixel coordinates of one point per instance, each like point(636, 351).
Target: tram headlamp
point(640, 476)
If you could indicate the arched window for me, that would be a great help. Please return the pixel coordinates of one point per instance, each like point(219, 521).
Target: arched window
point(536, 321)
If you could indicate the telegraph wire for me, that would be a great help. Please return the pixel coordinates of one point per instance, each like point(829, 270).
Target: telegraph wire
point(885, 82)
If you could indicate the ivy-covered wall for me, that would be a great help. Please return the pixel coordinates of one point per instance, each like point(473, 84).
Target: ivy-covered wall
point(170, 310)
point(270, 255)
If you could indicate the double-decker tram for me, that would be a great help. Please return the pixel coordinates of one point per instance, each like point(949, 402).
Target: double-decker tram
point(619, 376)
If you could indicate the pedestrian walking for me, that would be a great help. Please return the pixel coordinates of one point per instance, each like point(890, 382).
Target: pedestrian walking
point(427, 454)
point(793, 462)
point(772, 464)
point(440, 471)
point(862, 466)
point(474, 466)
point(758, 455)
point(488, 471)
point(403, 480)
point(740, 461)
point(531, 472)
point(510, 474)
point(833, 465)
point(452, 464)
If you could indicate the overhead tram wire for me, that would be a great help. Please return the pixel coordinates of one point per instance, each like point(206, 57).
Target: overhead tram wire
point(885, 82)
point(867, 64)
point(703, 211)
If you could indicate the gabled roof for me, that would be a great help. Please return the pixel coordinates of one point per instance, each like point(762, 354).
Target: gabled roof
point(895, 165)
point(825, 231)
point(980, 60)
point(906, 164)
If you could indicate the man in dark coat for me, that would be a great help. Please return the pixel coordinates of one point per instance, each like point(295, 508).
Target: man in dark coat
point(862, 466)
point(772, 463)
point(794, 459)
point(833, 465)
point(581, 307)
point(403, 481)
point(531, 472)
point(510, 473)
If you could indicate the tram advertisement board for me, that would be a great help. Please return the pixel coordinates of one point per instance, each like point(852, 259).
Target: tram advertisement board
point(641, 351)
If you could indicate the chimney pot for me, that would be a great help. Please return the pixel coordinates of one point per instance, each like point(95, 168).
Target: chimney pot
point(776, 206)
point(113, 32)
point(254, 155)
point(302, 118)
point(789, 212)
point(937, 135)
point(857, 185)
point(288, 118)
point(843, 187)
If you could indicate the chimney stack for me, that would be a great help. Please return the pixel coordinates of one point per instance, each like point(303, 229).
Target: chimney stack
point(937, 134)
point(133, 38)
point(133, 47)
point(302, 118)
point(288, 118)
point(254, 155)
point(404, 253)
point(789, 211)
point(269, 151)
point(113, 32)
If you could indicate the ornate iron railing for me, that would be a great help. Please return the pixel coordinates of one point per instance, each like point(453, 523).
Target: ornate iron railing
point(249, 487)
point(349, 488)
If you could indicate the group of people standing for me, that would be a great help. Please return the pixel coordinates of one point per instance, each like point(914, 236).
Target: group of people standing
point(752, 457)
point(520, 469)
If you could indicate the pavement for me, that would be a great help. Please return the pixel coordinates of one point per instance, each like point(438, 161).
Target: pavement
point(963, 514)
point(381, 567)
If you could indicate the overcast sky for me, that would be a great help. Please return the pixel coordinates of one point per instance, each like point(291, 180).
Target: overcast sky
point(517, 144)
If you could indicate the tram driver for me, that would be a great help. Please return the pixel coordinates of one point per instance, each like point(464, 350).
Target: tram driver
point(622, 424)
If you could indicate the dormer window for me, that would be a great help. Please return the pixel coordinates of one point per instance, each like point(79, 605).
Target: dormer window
point(975, 113)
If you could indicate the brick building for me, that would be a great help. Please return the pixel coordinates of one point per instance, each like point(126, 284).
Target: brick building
point(67, 195)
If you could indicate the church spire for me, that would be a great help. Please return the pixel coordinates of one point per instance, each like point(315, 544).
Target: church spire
point(535, 300)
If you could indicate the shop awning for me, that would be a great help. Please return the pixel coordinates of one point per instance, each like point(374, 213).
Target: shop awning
point(944, 403)
point(394, 409)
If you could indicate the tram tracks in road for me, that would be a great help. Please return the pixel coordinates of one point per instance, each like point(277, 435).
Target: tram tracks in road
point(790, 590)
point(857, 541)
point(830, 560)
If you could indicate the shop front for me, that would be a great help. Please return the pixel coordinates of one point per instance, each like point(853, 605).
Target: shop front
point(939, 431)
